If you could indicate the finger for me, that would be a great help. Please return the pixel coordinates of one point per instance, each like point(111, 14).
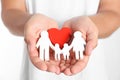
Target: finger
point(53, 66)
point(67, 72)
point(32, 47)
point(38, 63)
point(91, 43)
point(33, 53)
point(73, 61)
point(64, 64)
point(55, 62)
point(79, 65)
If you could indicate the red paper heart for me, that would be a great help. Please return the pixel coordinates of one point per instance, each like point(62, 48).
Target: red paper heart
point(59, 36)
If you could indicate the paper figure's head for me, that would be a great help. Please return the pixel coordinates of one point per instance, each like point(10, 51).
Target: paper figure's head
point(65, 45)
point(77, 34)
point(57, 45)
point(44, 33)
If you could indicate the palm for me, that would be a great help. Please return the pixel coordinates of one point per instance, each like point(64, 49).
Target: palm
point(33, 27)
point(50, 66)
point(73, 66)
point(90, 34)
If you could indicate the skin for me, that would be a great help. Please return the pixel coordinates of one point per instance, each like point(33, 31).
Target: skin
point(100, 25)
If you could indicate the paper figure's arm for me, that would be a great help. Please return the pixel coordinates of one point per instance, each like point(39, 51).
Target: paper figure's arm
point(71, 45)
point(38, 43)
point(51, 45)
point(83, 41)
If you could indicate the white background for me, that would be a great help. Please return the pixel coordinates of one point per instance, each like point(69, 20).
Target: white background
point(11, 51)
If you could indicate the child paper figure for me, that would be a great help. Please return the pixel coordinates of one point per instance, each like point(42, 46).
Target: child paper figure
point(65, 51)
point(44, 44)
point(78, 45)
point(57, 51)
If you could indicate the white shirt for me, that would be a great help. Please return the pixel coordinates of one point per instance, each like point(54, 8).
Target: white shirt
point(62, 10)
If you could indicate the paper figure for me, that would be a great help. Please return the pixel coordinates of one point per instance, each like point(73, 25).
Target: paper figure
point(44, 44)
point(65, 51)
point(78, 45)
point(57, 51)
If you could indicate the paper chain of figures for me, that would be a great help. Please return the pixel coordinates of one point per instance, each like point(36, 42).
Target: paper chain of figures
point(44, 44)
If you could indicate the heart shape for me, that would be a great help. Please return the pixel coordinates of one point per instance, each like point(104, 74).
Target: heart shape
point(59, 36)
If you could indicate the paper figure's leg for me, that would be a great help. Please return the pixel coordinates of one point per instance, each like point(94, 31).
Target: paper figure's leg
point(81, 55)
point(41, 53)
point(64, 56)
point(77, 55)
point(46, 54)
point(56, 56)
point(68, 56)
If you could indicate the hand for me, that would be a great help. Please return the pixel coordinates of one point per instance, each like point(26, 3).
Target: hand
point(90, 34)
point(32, 29)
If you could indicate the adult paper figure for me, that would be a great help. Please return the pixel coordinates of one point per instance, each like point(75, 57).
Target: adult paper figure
point(44, 44)
point(78, 45)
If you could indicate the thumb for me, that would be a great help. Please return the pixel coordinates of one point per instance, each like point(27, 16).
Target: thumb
point(90, 45)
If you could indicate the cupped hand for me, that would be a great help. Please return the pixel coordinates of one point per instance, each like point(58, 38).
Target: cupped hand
point(32, 29)
point(90, 34)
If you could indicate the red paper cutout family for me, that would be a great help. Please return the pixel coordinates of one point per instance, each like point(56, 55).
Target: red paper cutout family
point(44, 44)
